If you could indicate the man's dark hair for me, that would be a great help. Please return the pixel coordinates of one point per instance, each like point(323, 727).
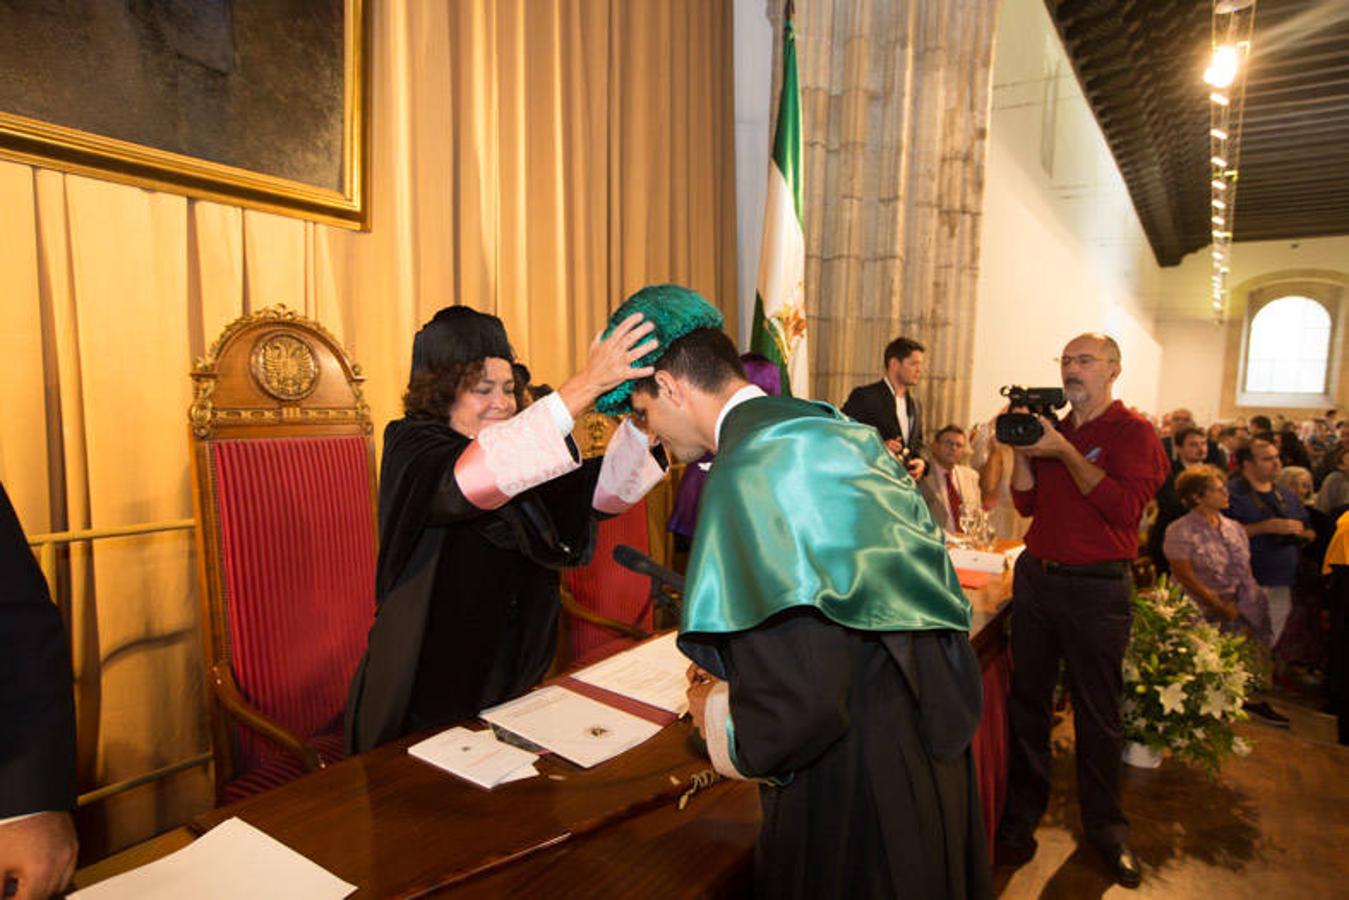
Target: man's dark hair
point(1184, 433)
point(705, 358)
point(947, 429)
point(1246, 452)
point(900, 348)
point(1227, 432)
point(1261, 424)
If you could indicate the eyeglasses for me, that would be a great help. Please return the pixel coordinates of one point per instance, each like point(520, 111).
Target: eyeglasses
point(1082, 359)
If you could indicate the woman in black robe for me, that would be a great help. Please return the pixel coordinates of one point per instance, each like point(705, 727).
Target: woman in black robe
point(479, 509)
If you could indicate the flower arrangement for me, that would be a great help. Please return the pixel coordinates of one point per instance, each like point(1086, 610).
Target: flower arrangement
point(1184, 680)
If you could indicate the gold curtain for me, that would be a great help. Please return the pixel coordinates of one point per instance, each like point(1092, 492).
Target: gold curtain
point(894, 107)
point(538, 160)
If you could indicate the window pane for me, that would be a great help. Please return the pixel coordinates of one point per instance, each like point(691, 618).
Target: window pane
point(1289, 347)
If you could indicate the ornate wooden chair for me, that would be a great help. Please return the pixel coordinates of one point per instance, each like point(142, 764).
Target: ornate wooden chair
point(284, 492)
point(605, 604)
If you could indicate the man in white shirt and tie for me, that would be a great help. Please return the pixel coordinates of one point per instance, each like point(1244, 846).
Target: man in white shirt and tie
point(949, 484)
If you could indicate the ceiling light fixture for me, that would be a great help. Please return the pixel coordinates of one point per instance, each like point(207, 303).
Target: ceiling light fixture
point(1222, 68)
point(1232, 22)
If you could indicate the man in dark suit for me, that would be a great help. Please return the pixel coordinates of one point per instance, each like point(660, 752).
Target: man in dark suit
point(37, 726)
point(889, 405)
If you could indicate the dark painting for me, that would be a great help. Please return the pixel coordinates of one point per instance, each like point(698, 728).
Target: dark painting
point(260, 86)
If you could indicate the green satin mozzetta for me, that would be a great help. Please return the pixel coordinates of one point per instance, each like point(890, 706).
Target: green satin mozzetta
point(804, 507)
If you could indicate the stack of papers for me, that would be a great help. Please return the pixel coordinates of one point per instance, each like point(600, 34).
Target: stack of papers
point(476, 756)
point(655, 673)
point(232, 860)
point(574, 727)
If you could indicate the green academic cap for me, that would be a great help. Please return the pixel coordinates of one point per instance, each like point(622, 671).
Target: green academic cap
point(675, 311)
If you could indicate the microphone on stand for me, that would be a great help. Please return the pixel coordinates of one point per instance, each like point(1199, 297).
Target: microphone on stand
point(667, 586)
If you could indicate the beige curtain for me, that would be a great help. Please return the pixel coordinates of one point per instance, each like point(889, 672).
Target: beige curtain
point(895, 100)
point(536, 159)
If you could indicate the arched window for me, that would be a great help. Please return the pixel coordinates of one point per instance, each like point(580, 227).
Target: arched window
point(1289, 347)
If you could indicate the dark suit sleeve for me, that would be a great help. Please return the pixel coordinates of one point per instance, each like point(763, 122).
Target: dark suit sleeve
point(37, 709)
point(853, 406)
point(874, 405)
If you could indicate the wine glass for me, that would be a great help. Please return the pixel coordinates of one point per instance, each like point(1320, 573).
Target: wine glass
point(969, 520)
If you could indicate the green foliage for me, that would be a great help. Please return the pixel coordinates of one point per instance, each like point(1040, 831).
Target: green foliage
point(1184, 680)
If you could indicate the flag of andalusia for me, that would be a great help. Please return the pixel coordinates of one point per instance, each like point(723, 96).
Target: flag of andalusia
point(779, 308)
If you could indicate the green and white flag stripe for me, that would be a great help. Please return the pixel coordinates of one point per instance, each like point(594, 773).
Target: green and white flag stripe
point(779, 305)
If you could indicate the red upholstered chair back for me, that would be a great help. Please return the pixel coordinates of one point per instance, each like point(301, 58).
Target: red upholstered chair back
point(605, 587)
point(299, 569)
point(284, 489)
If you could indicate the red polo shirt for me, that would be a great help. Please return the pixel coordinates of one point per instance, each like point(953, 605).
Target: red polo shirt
point(1076, 528)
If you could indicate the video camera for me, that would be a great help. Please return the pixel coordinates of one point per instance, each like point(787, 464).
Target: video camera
point(1021, 429)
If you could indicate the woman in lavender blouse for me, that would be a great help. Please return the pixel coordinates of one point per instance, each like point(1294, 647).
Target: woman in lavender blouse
point(1210, 555)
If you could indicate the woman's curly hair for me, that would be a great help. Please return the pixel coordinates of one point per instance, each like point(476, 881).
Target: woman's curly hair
point(1192, 483)
point(432, 392)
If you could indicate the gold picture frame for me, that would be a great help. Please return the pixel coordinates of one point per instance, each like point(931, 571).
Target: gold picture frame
point(54, 32)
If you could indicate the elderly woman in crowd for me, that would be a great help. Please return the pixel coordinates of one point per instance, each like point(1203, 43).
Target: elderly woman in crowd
point(1298, 481)
point(1301, 643)
point(480, 505)
point(1334, 493)
point(1210, 554)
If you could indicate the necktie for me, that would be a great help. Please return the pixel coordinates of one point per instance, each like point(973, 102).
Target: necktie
point(953, 500)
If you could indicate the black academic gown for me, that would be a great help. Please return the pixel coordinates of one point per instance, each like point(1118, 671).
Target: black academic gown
point(37, 705)
point(467, 599)
point(864, 737)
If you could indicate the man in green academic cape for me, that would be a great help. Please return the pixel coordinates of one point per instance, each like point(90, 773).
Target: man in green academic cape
point(827, 626)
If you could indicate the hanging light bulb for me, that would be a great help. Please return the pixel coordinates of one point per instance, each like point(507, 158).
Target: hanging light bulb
point(1219, 162)
point(1220, 99)
point(1222, 69)
point(1218, 133)
point(1218, 203)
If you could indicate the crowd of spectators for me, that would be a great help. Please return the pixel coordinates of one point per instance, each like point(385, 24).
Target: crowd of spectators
point(1281, 486)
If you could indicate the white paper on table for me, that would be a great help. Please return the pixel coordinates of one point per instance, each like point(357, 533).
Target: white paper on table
point(654, 672)
point(574, 727)
point(475, 756)
point(529, 771)
point(232, 860)
point(977, 560)
point(1012, 554)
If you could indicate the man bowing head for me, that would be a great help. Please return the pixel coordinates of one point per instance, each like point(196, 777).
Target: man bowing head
point(822, 603)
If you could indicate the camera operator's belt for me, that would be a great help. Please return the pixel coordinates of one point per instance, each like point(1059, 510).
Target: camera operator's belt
point(1110, 569)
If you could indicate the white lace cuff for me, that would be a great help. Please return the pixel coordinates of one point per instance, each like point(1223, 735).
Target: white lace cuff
point(508, 458)
point(628, 471)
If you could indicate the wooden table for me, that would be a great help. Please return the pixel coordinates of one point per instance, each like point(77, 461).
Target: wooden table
point(395, 826)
